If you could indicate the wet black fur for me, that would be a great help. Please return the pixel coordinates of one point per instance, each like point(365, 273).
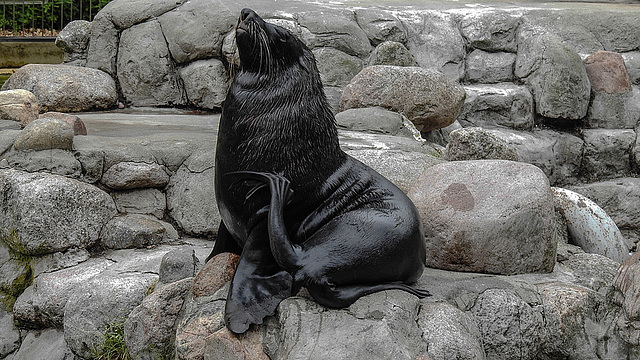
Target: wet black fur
point(298, 210)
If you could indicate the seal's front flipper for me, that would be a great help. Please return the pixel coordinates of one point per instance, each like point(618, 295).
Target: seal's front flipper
point(258, 286)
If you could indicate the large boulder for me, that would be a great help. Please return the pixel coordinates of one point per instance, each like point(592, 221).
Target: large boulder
point(74, 41)
point(146, 73)
point(205, 82)
point(149, 328)
point(489, 68)
point(558, 154)
point(191, 195)
point(128, 175)
point(51, 213)
point(489, 216)
point(45, 134)
point(607, 153)
point(555, 73)
point(493, 30)
point(196, 29)
point(619, 198)
point(325, 334)
point(498, 105)
point(477, 144)
point(18, 105)
point(435, 42)
point(426, 97)
point(589, 226)
point(65, 88)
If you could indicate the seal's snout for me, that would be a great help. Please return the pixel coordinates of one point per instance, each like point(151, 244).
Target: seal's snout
point(246, 13)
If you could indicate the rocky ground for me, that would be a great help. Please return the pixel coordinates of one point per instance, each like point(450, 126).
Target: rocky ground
point(107, 217)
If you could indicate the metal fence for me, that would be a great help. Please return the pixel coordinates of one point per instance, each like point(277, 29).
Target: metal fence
point(44, 17)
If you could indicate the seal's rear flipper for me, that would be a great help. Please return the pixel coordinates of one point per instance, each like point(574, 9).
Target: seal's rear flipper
point(342, 296)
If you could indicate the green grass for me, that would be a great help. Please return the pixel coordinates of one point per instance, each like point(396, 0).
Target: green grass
point(3, 78)
point(113, 347)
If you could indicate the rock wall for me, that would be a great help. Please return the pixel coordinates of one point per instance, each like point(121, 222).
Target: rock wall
point(97, 230)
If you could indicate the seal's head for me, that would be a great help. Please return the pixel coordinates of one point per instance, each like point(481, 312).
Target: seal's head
point(266, 47)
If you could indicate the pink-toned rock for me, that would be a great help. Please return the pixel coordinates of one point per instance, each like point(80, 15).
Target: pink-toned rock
point(190, 341)
point(74, 121)
point(18, 105)
point(607, 72)
point(487, 216)
point(226, 345)
point(215, 273)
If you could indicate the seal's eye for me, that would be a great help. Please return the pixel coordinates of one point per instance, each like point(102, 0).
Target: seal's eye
point(283, 35)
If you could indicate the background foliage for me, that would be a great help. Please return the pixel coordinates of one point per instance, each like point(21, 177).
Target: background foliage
point(19, 15)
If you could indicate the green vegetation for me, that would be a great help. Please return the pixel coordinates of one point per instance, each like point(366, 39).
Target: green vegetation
point(52, 15)
point(113, 347)
point(10, 292)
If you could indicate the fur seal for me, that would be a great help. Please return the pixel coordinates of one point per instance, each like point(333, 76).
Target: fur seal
point(298, 210)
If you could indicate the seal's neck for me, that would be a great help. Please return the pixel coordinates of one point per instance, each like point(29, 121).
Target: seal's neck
point(281, 124)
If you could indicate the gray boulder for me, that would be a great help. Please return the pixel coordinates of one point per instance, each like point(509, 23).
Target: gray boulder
point(177, 265)
point(477, 144)
point(135, 175)
point(380, 26)
point(9, 334)
point(373, 119)
point(489, 68)
point(625, 295)
point(555, 73)
point(435, 42)
point(45, 134)
point(330, 334)
point(125, 14)
point(341, 33)
point(191, 195)
point(426, 97)
point(468, 228)
point(510, 327)
point(558, 154)
point(141, 201)
point(205, 82)
point(493, 30)
point(103, 43)
point(74, 41)
point(136, 231)
point(589, 226)
point(618, 198)
point(565, 305)
point(65, 88)
point(44, 344)
point(54, 161)
point(157, 82)
point(499, 105)
point(18, 105)
point(392, 53)
point(614, 111)
point(194, 31)
point(632, 63)
point(42, 304)
point(101, 301)
point(607, 153)
point(150, 326)
point(52, 213)
point(336, 68)
point(449, 332)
